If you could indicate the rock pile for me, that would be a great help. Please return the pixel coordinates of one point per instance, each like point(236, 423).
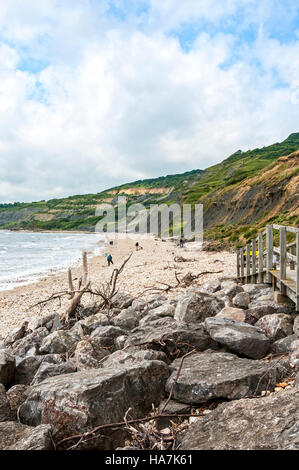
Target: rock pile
point(222, 342)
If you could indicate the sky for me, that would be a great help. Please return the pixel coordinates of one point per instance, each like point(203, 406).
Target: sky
point(97, 93)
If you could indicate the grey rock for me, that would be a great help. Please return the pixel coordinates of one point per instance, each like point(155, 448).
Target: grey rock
point(240, 338)
point(269, 423)
point(52, 322)
point(171, 337)
point(16, 334)
point(122, 300)
point(120, 342)
point(26, 369)
point(16, 396)
point(105, 336)
point(47, 370)
point(210, 287)
point(267, 303)
point(91, 323)
point(126, 319)
point(132, 356)
point(283, 345)
point(165, 310)
point(59, 342)
point(5, 410)
point(211, 375)
point(78, 402)
point(7, 366)
point(294, 357)
point(195, 308)
point(16, 436)
point(29, 345)
point(277, 325)
point(229, 289)
point(241, 300)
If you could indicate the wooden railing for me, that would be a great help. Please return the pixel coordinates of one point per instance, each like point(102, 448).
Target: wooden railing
point(257, 262)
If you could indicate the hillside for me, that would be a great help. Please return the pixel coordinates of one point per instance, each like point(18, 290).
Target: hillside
point(239, 195)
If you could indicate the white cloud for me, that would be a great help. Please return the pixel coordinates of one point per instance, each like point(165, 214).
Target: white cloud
point(117, 104)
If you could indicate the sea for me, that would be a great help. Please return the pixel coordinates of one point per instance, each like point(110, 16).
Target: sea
point(26, 257)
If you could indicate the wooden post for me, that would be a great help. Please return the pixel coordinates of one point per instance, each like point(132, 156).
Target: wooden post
point(297, 271)
point(292, 263)
point(261, 263)
point(247, 262)
point(269, 247)
point(242, 263)
point(238, 264)
point(283, 258)
point(253, 261)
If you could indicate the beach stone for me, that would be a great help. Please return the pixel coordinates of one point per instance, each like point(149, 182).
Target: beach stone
point(210, 287)
point(195, 308)
point(126, 319)
point(267, 302)
point(232, 313)
point(277, 325)
point(132, 356)
point(78, 402)
point(171, 337)
point(27, 368)
point(241, 300)
point(120, 342)
point(296, 326)
point(257, 290)
point(283, 345)
point(212, 375)
point(87, 356)
point(59, 342)
point(5, 410)
point(269, 423)
point(16, 334)
point(240, 338)
point(16, 436)
point(16, 396)
point(29, 345)
point(122, 300)
point(7, 366)
point(229, 289)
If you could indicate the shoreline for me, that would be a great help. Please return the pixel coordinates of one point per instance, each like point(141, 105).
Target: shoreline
point(153, 264)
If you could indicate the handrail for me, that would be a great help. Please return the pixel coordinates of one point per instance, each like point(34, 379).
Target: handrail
point(255, 262)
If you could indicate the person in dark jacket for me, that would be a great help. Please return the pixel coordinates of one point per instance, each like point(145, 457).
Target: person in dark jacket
point(109, 259)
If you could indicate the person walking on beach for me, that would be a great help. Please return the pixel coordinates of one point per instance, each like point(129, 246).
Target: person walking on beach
point(109, 259)
point(181, 243)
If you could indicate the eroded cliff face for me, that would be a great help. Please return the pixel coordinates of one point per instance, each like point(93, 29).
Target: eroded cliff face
point(268, 194)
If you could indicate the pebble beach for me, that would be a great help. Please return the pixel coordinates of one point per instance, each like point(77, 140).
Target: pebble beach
point(157, 262)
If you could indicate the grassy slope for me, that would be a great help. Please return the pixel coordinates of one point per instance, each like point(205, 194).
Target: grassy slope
point(78, 212)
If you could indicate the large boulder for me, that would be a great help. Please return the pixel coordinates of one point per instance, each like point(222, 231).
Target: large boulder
point(59, 342)
point(122, 300)
point(294, 357)
point(210, 287)
point(5, 410)
point(296, 326)
point(240, 338)
point(277, 325)
point(211, 375)
point(269, 423)
point(16, 436)
point(254, 314)
point(126, 319)
point(229, 289)
point(78, 402)
point(88, 356)
point(165, 310)
point(7, 366)
point(91, 323)
point(171, 337)
point(51, 321)
point(29, 345)
point(195, 308)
